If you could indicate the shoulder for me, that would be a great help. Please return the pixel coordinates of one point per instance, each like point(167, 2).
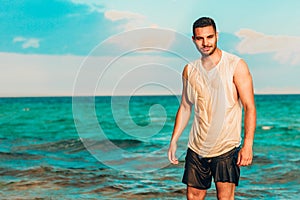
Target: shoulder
point(230, 56)
point(185, 71)
point(231, 60)
point(241, 68)
point(188, 68)
point(241, 72)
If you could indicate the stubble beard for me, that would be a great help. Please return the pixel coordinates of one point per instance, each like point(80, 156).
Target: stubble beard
point(210, 52)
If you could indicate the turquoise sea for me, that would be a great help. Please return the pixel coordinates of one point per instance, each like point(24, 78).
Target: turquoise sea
point(115, 148)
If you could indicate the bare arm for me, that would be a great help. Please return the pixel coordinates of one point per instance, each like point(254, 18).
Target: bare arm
point(244, 85)
point(182, 118)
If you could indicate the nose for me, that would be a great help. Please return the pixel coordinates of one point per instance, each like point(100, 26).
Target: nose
point(204, 42)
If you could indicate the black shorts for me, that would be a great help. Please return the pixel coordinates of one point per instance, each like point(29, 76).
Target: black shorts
point(199, 171)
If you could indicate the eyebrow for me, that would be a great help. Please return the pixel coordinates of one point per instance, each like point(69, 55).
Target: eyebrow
point(200, 37)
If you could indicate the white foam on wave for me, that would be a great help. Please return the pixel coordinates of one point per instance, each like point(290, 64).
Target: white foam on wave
point(266, 127)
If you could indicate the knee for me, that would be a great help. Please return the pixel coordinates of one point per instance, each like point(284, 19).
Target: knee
point(225, 196)
point(193, 193)
point(225, 191)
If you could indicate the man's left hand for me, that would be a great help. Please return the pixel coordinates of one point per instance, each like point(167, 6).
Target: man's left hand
point(245, 157)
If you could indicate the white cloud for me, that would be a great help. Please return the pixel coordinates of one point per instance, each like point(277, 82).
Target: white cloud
point(278, 90)
point(94, 5)
point(144, 40)
point(37, 75)
point(285, 48)
point(27, 42)
point(34, 43)
point(115, 15)
point(45, 75)
point(19, 39)
point(130, 21)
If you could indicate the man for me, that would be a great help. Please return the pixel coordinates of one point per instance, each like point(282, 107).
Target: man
point(217, 85)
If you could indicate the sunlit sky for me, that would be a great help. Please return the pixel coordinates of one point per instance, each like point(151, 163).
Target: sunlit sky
point(44, 44)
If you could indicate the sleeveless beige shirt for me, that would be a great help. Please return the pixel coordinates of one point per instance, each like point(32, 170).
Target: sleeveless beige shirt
point(216, 128)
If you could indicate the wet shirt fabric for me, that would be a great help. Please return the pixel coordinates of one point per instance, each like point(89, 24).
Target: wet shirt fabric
point(216, 127)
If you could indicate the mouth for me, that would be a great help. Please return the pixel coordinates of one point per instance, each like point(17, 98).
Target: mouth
point(206, 48)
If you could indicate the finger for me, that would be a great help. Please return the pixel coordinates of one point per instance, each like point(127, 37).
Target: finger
point(249, 162)
point(172, 157)
point(245, 161)
point(175, 161)
point(239, 160)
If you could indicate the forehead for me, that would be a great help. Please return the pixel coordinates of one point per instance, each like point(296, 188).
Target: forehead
point(204, 31)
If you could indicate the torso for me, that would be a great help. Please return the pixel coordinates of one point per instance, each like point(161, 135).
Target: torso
point(217, 119)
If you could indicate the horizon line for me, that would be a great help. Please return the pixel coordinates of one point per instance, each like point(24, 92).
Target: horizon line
point(124, 95)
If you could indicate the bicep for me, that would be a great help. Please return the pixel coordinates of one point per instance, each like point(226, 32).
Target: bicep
point(184, 99)
point(243, 82)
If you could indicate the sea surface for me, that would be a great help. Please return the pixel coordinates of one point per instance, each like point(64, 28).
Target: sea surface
point(115, 148)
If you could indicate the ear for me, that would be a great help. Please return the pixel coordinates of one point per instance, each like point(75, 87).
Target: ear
point(217, 35)
point(193, 38)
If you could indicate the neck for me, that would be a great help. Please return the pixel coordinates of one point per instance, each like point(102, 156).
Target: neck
point(210, 61)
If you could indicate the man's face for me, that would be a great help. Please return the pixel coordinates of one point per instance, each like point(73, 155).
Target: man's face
point(205, 39)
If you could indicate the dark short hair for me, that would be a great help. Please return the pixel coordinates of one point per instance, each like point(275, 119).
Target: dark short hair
point(203, 22)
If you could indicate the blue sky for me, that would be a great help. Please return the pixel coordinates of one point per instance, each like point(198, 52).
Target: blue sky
point(45, 46)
